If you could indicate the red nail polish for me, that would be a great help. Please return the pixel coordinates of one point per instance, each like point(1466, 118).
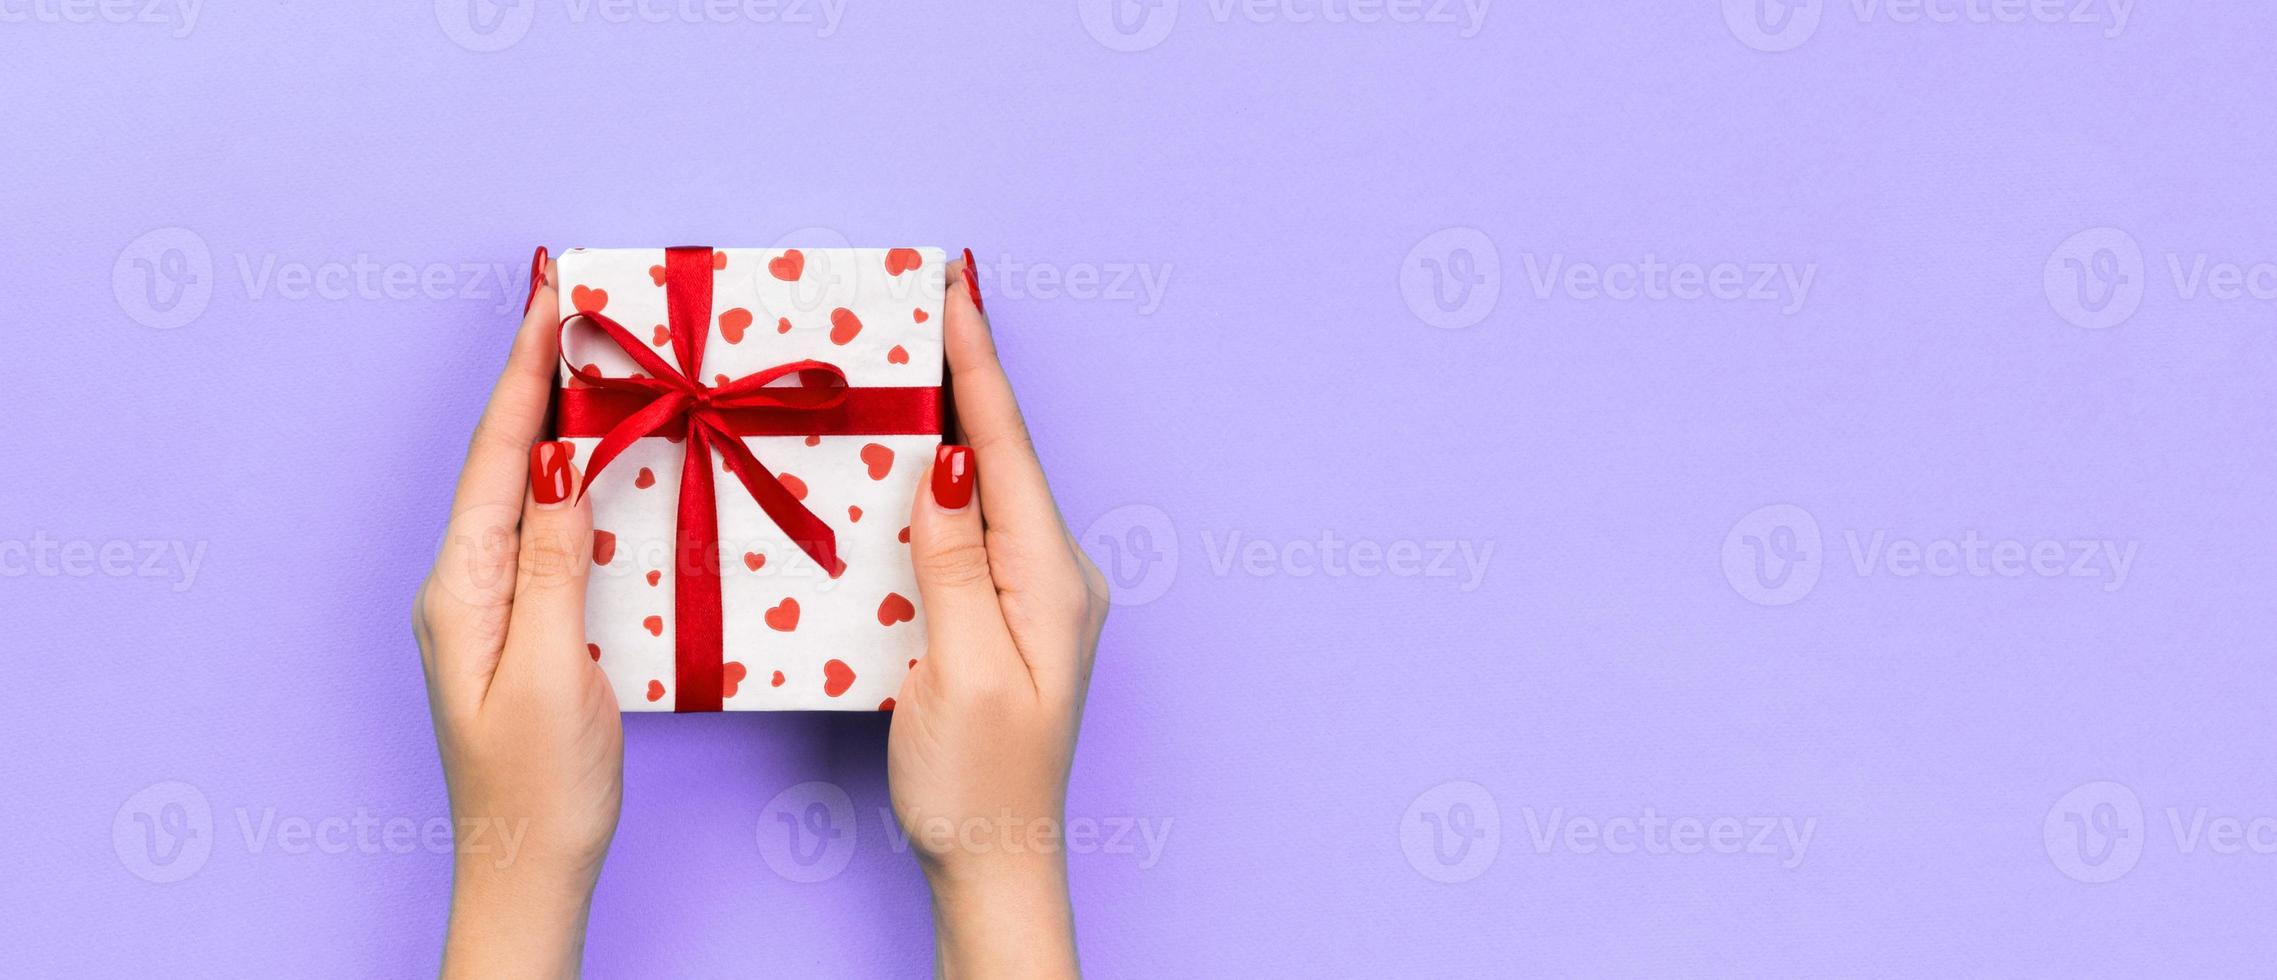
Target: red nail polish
point(953, 472)
point(972, 282)
point(537, 278)
point(549, 472)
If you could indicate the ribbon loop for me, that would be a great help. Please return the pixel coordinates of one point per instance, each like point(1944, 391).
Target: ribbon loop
point(676, 402)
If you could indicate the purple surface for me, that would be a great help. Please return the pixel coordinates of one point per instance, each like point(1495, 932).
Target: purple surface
point(2003, 768)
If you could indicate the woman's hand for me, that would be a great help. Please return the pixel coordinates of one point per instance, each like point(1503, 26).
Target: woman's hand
point(984, 728)
point(533, 751)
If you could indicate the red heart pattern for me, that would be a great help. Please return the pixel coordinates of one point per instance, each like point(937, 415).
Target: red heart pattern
point(900, 260)
point(788, 266)
point(854, 514)
point(593, 650)
point(836, 677)
point(897, 355)
point(895, 609)
point(754, 560)
point(784, 617)
point(919, 316)
point(656, 274)
point(661, 337)
point(733, 323)
point(778, 681)
point(645, 479)
point(796, 486)
point(604, 547)
point(588, 300)
point(879, 459)
point(782, 324)
point(656, 690)
point(843, 326)
point(654, 625)
point(655, 575)
point(731, 676)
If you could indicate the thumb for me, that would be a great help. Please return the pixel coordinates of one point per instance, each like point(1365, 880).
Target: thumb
point(552, 566)
point(964, 626)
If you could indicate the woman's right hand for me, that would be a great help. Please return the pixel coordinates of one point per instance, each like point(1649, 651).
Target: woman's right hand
point(984, 727)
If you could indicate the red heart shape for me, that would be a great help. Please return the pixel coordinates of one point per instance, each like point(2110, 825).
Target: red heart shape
point(814, 440)
point(719, 261)
point(654, 625)
point(731, 674)
point(655, 575)
point(843, 326)
point(900, 260)
point(897, 355)
point(880, 460)
point(854, 514)
point(656, 274)
point(895, 609)
point(796, 486)
point(604, 547)
point(778, 681)
point(661, 337)
point(788, 265)
point(732, 324)
point(784, 617)
point(919, 315)
point(754, 560)
point(645, 479)
point(905, 535)
point(588, 300)
point(836, 678)
point(656, 690)
point(594, 649)
point(783, 324)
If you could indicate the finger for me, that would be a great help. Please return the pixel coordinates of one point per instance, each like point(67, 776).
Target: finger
point(965, 635)
point(516, 416)
point(467, 597)
point(1027, 538)
point(547, 629)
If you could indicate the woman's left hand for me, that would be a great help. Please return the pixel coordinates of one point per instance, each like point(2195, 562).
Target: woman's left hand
point(532, 746)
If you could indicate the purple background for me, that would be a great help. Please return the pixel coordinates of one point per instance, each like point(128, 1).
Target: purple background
point(1274, 177)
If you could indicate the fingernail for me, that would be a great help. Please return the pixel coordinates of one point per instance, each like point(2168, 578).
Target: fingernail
point(972, 282)
point(549, 473)
point(537, 278)
point(952, 477)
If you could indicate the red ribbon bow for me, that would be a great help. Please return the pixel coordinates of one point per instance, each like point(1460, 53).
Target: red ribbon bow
point(714, 418)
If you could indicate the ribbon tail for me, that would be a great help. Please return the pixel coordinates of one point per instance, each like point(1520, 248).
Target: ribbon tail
point(653, 416)
point(804, 529)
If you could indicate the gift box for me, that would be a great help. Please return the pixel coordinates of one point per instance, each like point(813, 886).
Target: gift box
point(752, 425)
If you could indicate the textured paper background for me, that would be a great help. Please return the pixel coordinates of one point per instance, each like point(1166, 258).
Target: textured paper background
point(1271, 178)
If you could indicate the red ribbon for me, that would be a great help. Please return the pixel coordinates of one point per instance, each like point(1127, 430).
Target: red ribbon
point(672, 403)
